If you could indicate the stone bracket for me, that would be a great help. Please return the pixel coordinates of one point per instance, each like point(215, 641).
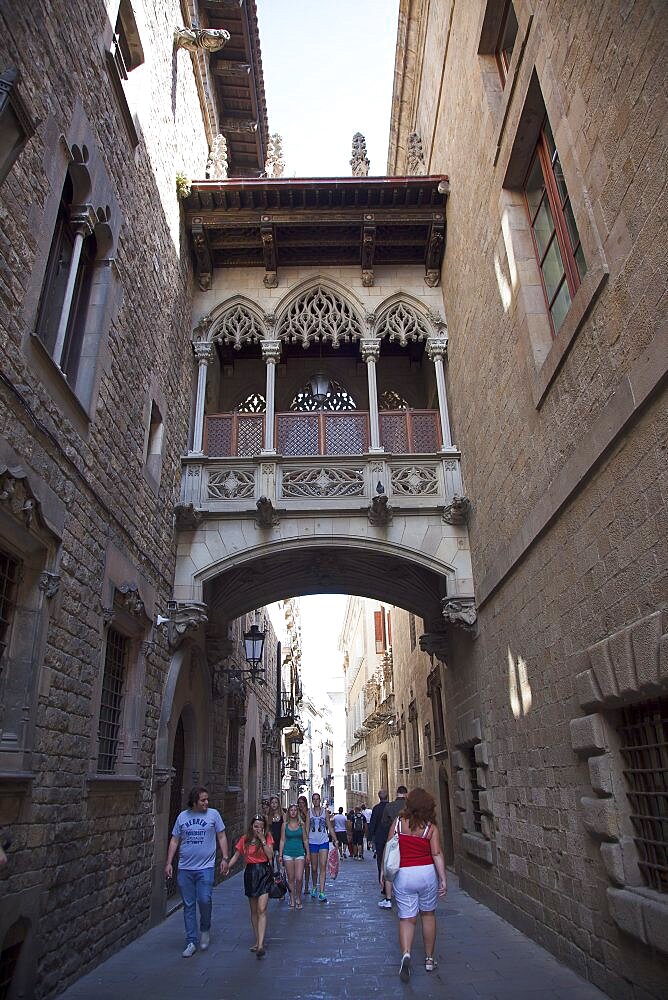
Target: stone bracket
point(368, 251)
point(268, 236)
point(457, 511)
point(202, 254)
point(267, 516)
point(434, 255)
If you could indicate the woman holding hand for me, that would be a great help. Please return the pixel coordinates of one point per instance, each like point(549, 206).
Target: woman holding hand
point(294, 853)
point(256, 847)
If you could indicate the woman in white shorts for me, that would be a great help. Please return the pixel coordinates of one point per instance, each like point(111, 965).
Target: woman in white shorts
point(421, 878)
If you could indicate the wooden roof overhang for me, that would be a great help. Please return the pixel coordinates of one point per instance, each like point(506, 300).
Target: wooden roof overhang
point(236, 71)
point(359, 221)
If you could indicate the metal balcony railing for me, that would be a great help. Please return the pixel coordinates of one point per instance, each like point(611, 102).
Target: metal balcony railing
point(298, 435)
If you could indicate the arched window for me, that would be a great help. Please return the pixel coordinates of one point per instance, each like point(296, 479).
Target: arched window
point(328, 396)
point(253, 403)
point(391, 400)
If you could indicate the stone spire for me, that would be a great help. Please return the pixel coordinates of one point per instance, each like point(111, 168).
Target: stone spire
point(275, 164)
point(415, 155)
point(360, 161)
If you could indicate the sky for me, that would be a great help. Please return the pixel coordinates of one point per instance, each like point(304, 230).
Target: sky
point(322, 662)
point(328, 73)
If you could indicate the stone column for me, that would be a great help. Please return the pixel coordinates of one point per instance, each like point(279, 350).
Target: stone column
point(271, 353)
point(204, 354)
point(370, 350)
point(83, 227)
point(437, 348)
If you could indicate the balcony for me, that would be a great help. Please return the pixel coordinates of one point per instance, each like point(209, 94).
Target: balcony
point(297, 435)
point(287, 711)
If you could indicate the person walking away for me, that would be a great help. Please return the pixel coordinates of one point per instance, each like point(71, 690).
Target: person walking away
point(421, 878)
point(378, 834)
point(366, 812)
point(320, 830)
point(302, 806)
point(256, 847)
point(275, 822)
point(194, 836)
point(339, 822)
point(293, 852)
point(349, 831)
point(359, 827)
point(389, 816)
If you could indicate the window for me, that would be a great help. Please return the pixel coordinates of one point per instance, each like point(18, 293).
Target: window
point(411, 629)
point(127, 48)
point(506, 40)
point(434, 691)
point(644, 746)
point(475, 789)
point(9, 578)
point(16, 126)
point(380, 630)
point(415, 735)
point(555, 235)
point(154, 443)
point(67, 285)
point(111, 705)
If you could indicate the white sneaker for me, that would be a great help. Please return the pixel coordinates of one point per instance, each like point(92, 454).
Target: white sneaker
point(204, 940)
point(385, 904)
point(189, 950)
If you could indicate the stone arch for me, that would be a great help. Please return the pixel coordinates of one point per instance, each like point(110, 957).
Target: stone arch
point(236, 321)
point(403, 317)
point(319, 309)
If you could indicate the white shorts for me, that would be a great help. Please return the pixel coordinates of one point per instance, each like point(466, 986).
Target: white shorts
point(416, 890)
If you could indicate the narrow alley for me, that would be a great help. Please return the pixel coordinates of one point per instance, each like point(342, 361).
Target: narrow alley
point(346, 947)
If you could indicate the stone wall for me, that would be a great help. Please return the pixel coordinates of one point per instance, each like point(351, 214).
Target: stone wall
point(563, 446)
point(83, 848)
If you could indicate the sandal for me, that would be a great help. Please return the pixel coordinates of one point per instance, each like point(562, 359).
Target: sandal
point(430, 963)
point(253, 948)
point(298, 906)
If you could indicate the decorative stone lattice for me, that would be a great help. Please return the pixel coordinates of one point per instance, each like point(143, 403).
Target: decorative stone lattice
point(238, 326)
point(319, 314)
point(401, 322)
point(322, 483)
point(359, 162)
point(232, 484)
point(415, 481)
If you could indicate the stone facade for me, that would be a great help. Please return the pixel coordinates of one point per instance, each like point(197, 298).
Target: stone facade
point(563, 438)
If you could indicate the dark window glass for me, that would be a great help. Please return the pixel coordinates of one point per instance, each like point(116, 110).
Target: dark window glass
point(9, 579)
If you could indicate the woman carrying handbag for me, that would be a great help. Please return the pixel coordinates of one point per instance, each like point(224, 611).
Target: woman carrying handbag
point(420, 878)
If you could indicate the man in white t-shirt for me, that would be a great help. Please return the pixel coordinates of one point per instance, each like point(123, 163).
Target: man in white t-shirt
point(196, 831)
point(366, 812)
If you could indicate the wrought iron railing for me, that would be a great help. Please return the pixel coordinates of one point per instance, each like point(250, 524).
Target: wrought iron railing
point(298, 435)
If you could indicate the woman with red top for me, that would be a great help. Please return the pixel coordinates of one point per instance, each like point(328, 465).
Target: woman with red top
point(421, 878)
point(256, 847)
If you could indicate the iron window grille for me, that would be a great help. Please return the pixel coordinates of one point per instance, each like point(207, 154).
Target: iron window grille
point(644, 746)
point(10, 569)
point(554, 231)
point(475, 790)
point(111, 705)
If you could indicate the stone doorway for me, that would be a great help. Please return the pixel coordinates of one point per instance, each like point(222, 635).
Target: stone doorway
point(446, 817)
point(251, 802)
point(176, 794)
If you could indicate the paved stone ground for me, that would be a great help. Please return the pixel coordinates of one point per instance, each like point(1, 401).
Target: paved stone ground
point(347, 947)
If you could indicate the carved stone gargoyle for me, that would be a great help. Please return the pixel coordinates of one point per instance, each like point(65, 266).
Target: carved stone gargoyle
point(186, 516)
point(266, 514)
point(380, 511)
point(461, 612)
point(458, 510)
point(182, 617)
point(198, 39)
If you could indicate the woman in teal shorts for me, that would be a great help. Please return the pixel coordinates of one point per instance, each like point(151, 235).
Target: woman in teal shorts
point(294, 853)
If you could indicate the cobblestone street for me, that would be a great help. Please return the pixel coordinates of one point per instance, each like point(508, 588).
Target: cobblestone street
point(347, 947)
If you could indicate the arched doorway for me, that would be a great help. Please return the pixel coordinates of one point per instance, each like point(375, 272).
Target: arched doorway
point(446, 816)
point(251, 801)
point(176, 793)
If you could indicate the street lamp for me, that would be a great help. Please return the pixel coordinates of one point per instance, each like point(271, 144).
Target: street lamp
point(254, 646)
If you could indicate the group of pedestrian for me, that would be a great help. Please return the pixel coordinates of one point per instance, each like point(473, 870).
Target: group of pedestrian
point(298, 840)
point(421, 878)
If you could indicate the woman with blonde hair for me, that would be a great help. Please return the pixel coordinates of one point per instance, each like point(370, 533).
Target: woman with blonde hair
point(421, 878)
point(256, 847)
point(294, 853)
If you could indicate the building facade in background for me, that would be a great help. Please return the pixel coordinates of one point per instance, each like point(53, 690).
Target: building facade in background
point(548, 120)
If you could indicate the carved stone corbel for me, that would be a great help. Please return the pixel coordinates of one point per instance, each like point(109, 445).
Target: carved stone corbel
point(380, 511)
point(182, 617)
point(368, 251)
point(435, 644)
point(270, 279)
point(130, 600)
point(460, 611)
point(266, 514)
point(457, 511)
point(198, 39)
point(186, 516)
point(434, 255)
point(202, 253)
point(16, 493)
point(49, 583)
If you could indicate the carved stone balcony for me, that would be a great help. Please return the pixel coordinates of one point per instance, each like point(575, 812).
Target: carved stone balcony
point(234, 485)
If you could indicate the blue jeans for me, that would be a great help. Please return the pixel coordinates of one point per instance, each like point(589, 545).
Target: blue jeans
point(195, 886)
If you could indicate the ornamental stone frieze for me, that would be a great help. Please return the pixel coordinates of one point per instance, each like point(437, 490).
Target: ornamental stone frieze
point(460, 611)
point(457, 511)
point(182, 617)
point(201, 39)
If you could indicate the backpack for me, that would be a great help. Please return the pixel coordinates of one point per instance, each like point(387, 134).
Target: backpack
point(358, 823)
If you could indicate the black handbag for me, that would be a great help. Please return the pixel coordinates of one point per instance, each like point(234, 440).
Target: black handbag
point(278, 887)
